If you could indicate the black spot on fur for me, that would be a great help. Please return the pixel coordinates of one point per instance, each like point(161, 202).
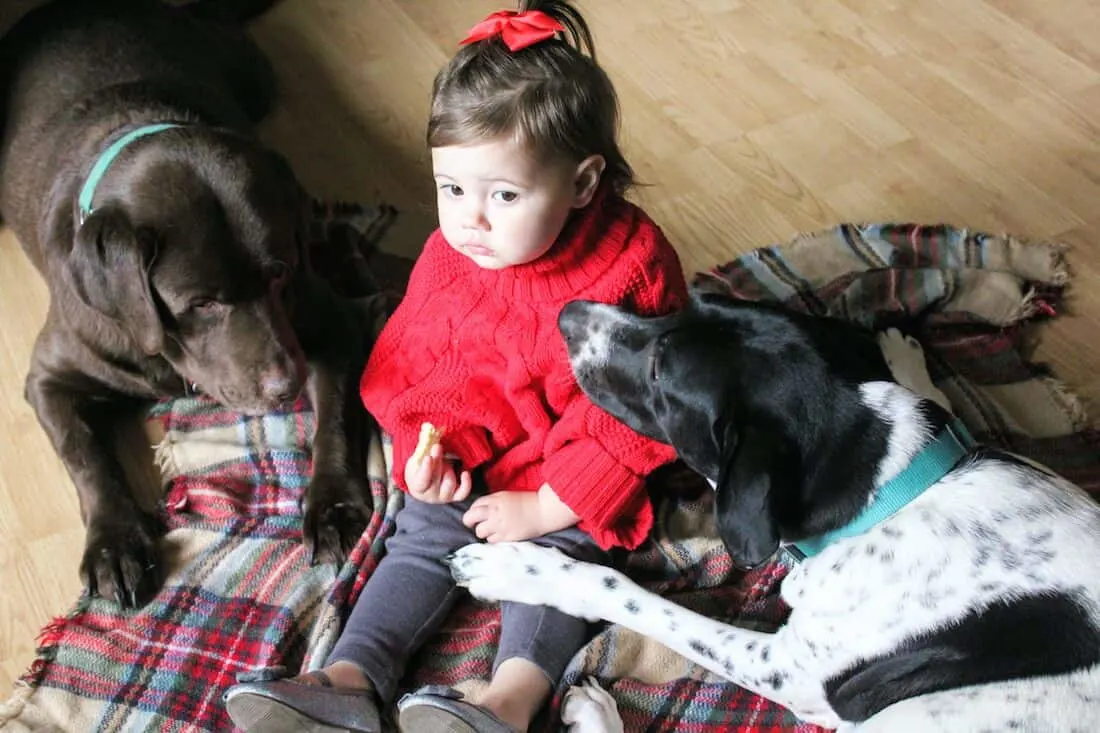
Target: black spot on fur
point(632, 606)
point(765, 653)
point(750, 646)
point(1032, 512)
point(929, 599)
point(702, 649)
point(892, 532)
point(610, 582)
point(1031, 636)
point(985, 534)
point(532, 570)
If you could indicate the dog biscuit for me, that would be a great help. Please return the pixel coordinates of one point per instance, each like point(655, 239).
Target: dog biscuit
point(429, 436)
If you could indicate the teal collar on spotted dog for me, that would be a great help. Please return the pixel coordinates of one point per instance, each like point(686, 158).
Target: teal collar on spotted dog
point(87, 192)
point(934, 461)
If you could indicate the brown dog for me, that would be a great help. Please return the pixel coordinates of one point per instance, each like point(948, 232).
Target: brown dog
point(173, 247)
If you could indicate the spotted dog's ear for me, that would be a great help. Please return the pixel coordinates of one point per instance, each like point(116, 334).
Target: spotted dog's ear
point(751, 476)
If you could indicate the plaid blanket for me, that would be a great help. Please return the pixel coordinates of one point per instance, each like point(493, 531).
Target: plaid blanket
point(241, 594)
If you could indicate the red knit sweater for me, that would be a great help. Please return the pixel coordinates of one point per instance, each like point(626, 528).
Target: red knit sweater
point(478, 352)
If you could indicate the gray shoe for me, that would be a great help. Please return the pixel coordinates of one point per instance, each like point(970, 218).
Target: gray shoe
point(440, 709)
point(287, 706)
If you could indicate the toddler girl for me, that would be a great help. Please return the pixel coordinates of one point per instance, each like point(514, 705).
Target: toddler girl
point(530, 181)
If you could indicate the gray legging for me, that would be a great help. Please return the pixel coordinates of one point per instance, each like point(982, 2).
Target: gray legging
point(410, 593)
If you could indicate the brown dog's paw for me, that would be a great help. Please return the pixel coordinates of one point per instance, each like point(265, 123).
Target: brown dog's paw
point(121, 561)
point(337, 510)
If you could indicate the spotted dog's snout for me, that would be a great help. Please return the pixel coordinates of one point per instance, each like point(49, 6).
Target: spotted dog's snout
point(586, 328)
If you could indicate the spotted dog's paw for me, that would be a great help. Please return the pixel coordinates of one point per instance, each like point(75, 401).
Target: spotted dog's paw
point(589, 708)
point(905, 357)
point(523, 572)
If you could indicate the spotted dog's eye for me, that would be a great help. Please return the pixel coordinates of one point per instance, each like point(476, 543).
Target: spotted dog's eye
point(655, 360)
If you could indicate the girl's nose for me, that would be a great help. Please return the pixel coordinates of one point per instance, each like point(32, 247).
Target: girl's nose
point(473, 216)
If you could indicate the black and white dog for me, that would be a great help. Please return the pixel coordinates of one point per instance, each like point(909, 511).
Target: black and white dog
point(944, 587)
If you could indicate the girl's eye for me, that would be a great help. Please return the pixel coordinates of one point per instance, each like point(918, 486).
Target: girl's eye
point(506, 196)
point(451, 190)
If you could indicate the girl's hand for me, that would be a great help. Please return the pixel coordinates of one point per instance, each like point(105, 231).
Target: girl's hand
point(433, 479)
point(514, 516)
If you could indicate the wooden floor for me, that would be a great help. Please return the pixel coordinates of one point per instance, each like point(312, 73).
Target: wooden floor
point(751, 119)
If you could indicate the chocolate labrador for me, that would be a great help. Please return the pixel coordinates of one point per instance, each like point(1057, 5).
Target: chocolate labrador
point(172, 244)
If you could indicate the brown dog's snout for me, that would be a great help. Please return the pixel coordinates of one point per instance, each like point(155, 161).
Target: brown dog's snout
point(279, 386)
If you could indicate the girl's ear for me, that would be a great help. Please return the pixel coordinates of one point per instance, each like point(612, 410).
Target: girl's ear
point(587, 179)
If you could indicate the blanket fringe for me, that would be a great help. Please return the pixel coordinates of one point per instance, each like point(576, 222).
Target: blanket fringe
point(1070, 402)
point(48, 640)
point(164, 455)
point(1060, 270)
point(1032, 305)
point(12, 708)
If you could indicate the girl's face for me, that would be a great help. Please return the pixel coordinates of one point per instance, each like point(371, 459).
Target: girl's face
point(500, 207)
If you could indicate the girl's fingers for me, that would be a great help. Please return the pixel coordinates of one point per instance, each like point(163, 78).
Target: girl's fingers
point(425, 479)
point(465, 486)
point(474, 516)
point(447, 485)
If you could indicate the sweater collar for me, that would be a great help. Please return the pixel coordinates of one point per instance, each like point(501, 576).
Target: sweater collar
point(586, 248)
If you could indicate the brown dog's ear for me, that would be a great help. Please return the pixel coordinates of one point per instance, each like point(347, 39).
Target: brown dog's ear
point(299, 202)
point(748, 483)
point(109, 268)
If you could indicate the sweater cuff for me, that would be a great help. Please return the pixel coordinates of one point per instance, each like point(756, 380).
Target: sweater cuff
point(470, 445)
point(609, 498)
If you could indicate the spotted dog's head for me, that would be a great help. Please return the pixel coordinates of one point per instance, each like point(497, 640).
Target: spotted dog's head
point(763, 402)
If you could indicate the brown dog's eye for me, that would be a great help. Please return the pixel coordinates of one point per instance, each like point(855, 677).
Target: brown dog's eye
point(204, 305)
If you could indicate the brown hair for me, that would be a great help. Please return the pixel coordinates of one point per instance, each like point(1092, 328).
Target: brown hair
point(551, 97)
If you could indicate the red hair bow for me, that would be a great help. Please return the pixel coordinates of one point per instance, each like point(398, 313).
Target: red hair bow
point(517, 30)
